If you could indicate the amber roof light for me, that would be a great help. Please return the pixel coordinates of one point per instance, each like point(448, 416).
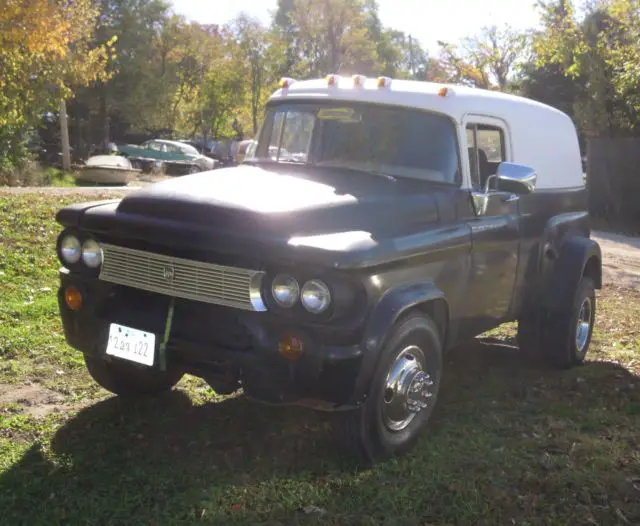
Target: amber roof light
point(332, 80)
point(286, 82)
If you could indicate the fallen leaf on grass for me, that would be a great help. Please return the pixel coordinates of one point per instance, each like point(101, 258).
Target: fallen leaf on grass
point(314, 509)
point(621, 516)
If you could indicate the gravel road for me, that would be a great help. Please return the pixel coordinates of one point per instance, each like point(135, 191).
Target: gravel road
point(620, 259)
point(621, 254)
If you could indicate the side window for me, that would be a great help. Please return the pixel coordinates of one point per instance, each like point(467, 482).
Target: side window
point(486, 151)
point(170, 148)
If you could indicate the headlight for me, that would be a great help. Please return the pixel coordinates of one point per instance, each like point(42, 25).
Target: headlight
point(91, 254)
point(70, 249)
point(285, 290)
point(315, 296)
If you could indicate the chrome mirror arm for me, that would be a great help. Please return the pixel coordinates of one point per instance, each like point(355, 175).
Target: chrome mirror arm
point(487, 184)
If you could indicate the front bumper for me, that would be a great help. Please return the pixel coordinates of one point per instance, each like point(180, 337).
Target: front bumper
point(222, 345)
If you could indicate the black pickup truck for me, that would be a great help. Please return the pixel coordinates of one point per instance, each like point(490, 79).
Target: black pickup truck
point(376, 224)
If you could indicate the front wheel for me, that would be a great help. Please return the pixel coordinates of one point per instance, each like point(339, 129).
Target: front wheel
point(129, 380)
point(402, 395)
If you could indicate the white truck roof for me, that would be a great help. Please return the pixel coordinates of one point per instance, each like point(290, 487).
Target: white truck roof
point(540, 136)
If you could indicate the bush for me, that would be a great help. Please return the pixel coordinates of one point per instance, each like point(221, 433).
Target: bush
point(31, 174)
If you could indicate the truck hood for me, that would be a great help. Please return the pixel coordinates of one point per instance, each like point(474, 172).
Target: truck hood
point(338, 217)
point(284, 200)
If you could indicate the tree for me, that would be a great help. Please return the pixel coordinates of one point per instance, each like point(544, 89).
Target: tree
point(136, 92)
point(330, 36)
point(601, 53)
point(285, 31)
point(213, 101)
point(549, 85)
point(487, 60)
point(46, 49)
point(261, 51)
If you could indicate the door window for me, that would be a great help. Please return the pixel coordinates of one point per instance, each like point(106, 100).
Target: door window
point(171, 148)
point(154, 145)
point(487, 150)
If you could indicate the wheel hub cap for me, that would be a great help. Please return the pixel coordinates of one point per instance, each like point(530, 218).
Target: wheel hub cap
point(584, 325)
point(407, 389)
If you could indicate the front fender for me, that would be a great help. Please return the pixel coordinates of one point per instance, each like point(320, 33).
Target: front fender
point(567, 269)
point(70, 215)
point(389, 309)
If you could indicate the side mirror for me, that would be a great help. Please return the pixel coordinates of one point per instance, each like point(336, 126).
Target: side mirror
point(514, 178)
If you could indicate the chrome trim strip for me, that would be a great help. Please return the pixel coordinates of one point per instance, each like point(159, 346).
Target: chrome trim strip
point(183, 278)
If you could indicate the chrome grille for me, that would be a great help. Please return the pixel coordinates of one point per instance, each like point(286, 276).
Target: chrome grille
point(182, 278)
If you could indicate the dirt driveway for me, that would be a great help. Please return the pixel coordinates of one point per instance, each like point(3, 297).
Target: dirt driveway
point(620, 259)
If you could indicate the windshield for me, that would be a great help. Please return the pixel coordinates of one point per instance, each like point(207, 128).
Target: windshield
point(403, 142)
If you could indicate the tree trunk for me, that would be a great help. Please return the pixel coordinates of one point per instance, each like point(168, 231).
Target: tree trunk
point(64, 137)
point(104, 118)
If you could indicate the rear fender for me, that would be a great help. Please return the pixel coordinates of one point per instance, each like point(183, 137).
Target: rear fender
point(577, 255)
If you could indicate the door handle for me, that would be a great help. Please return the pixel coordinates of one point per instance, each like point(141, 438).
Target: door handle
point(510, 198)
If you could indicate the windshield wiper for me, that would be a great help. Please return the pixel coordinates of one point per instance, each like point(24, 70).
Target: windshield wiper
point(347, 166)
point(255, 160)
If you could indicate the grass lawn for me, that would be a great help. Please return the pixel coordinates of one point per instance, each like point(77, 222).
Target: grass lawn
point(508, 444)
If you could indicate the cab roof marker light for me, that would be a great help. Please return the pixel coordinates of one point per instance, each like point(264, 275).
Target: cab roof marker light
point(332, 80)
point(358, 80)
point(445, 91)
point(384, 82)
point(286, 82)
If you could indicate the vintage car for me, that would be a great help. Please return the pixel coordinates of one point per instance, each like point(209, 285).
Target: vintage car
point(337, 275)
point(177, 157)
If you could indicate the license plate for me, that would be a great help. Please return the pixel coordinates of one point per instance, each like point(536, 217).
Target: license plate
point(131, 344)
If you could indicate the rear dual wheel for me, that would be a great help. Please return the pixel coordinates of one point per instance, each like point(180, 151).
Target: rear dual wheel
point(562, 339)
point(401, 397)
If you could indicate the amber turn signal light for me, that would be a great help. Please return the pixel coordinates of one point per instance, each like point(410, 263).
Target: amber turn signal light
point(291, 348)
point(73, 298)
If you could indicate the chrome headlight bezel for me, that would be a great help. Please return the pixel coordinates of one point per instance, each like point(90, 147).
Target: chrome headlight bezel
point(69, 249)
point(321, 289)
point(284, 282)
point(321, 283)
point(92, 253)
point(83, 244)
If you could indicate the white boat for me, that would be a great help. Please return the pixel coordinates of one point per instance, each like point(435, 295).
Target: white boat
point(107, 169)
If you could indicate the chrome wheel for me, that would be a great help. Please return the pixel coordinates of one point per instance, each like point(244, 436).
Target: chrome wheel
point(407, 389)
point(584, 325)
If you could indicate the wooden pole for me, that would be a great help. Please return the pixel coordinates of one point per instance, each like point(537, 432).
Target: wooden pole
point(413, 75)
point(64, 137)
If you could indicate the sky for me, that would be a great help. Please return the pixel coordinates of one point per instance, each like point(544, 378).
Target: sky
point(448, 20)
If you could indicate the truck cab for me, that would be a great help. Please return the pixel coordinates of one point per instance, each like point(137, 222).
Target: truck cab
point(375, 224)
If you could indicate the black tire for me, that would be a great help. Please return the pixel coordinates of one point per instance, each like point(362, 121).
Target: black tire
point(365, 433)
point(129, 380)
point(560, 339)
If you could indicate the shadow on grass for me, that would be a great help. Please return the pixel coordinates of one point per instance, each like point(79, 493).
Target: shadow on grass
point(167, 461)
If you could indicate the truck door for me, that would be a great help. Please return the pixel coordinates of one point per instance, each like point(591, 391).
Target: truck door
point(494, 222)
